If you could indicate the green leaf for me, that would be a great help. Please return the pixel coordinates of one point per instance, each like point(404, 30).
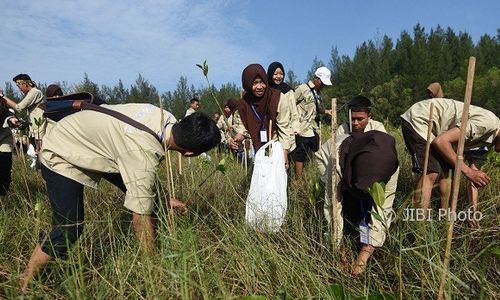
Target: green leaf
point(221, 166)
point(39, 121)
point(336, 291)
point(204, 68)
point(495, 250)
point(377, 191)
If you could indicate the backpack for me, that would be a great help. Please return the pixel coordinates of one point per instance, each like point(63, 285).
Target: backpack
point(56, 108)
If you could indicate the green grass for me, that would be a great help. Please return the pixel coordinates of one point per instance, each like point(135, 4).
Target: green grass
point(210, 253)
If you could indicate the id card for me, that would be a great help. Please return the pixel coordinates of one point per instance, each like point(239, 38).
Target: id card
point(364, 233)
point(263, 136)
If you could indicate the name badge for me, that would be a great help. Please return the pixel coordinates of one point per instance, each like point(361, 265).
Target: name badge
point(263, 136)
point(364, 233)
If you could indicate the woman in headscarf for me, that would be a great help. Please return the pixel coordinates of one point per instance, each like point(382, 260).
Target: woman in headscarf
point(262, 106)
point(276, 77)
point(53, 90)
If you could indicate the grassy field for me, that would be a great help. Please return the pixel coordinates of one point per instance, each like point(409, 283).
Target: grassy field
point(210, 253)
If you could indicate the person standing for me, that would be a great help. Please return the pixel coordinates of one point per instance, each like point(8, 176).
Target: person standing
point(33, 97)
point(309, 106)
point(261, 106)
point(276, 77)
point(7, 120)
point(194, 105)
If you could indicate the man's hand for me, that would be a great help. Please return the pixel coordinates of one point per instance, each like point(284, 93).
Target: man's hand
point(178, 205)
point(235, 142)
point(477, 177)
point(328, 112)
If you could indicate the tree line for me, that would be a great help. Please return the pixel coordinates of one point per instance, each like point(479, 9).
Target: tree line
point(393, 75)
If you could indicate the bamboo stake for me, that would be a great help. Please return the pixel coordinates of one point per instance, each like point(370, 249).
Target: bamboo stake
point(350, 120)
point(270, 130)
point(181, 177)
point(166, 154)
point(172, 186)
point(334, 209)
point(424, 185)
point(427, 150)
point(456, 175)
point(245, 157)
point(319, 133)
point(170, 214)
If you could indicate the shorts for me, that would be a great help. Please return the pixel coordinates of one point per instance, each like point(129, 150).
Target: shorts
point(476, 156)
point(305, 145)
point(416, 146)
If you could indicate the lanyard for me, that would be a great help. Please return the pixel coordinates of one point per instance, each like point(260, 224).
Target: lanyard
point(263, 124)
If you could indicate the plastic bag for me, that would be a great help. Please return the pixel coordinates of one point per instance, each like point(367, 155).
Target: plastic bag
point(32, 153)
point(266, 203)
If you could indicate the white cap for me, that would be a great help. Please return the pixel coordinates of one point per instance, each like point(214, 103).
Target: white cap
point(324, 75)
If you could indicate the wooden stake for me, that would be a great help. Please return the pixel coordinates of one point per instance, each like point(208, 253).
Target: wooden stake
point(181, 178)
point(245, 157)
point(170, 190)
point(427, 150)
point(270, 130)
point(319, 133)
point(333, 222)
point(457, 174)
point(350, 120)
point(172, 186)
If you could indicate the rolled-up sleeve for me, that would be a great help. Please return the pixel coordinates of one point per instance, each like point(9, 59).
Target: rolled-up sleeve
point(238, 127)
point(32, 97)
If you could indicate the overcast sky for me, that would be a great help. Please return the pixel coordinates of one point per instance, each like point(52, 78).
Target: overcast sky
point(164, 39)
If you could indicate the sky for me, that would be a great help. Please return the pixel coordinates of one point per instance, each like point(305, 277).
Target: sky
point(56, 41)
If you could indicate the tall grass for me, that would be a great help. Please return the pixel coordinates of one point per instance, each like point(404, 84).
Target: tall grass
point(212, 254)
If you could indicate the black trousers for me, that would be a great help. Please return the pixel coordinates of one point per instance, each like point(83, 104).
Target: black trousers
point(5, 172)
point(66, 202)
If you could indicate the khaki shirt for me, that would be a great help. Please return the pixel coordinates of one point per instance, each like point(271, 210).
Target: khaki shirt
point(372, 125)
point(86, 144)
point(30, 102)
point(189, 112)
point(287, 113)
point(481, 129)
point(221, 124)
point(6, 141)
point(306, 109)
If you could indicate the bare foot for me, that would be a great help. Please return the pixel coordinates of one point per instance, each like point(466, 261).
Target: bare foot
point(358, 268)
point(359, 265)
point(474, 224)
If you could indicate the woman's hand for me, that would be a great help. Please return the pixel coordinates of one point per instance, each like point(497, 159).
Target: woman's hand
point(235, 142)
